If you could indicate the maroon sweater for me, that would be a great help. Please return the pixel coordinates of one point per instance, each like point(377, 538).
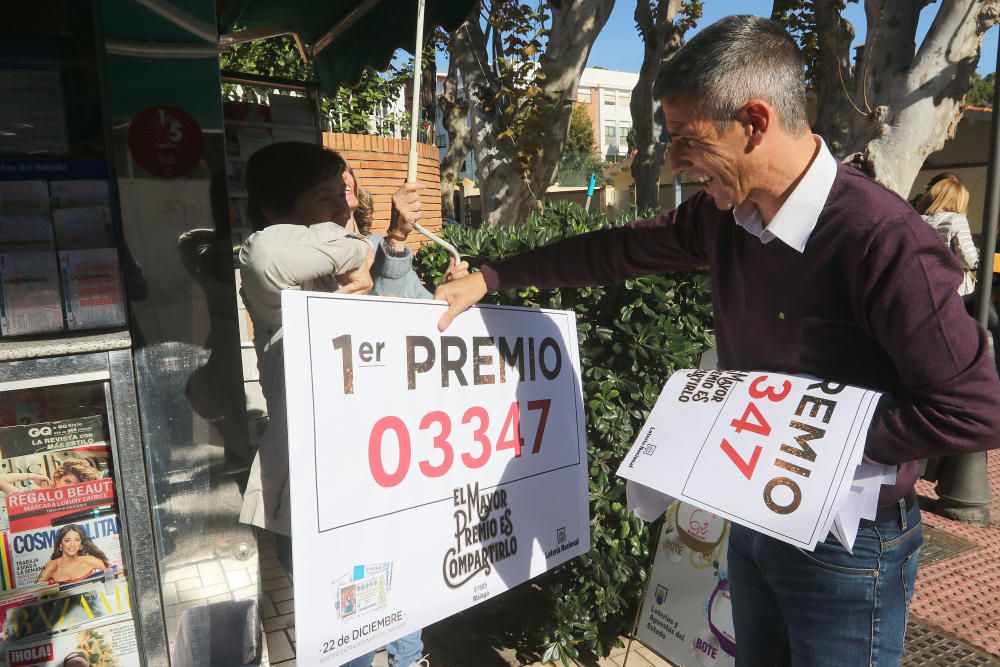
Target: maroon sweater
point(872, 302)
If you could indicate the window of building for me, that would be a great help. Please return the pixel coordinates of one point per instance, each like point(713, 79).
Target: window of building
point(623, 130)
point(609, 99)
point(610, 135)
point(583, 96)
point(624, 100)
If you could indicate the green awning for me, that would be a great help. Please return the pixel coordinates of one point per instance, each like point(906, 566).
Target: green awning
point(370, 41)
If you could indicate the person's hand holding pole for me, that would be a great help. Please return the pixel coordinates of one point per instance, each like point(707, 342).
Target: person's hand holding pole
point(460, 295)
point(405, 213)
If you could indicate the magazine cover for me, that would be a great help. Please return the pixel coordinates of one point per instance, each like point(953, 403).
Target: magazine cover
point(71, 610)
point(63, 534)
point(74, 194)
point(83, 228)
point(44, 470)
point(53, 435)
point(104, 645)
point(29, 293)
point(26, 233)
point(92, 289)
point(19, 598)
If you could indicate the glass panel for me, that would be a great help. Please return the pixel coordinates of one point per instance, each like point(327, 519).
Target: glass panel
point(610, 136)
point(63, 577)
point(59, 265)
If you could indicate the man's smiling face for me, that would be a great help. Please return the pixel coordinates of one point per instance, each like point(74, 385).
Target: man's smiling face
point(717, 158)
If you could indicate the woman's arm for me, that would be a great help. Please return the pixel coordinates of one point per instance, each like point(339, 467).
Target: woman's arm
point(46, 572)
point(962, 244)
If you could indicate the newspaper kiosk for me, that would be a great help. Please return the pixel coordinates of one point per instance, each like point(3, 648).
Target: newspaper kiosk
point(122, 427)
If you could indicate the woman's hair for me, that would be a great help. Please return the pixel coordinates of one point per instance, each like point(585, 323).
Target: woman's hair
point(87, 546)
point(79, 468)
point(278, 174)
point(944, 195)
point(363, 216)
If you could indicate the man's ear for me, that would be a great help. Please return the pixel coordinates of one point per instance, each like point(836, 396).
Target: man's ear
point(756, 116)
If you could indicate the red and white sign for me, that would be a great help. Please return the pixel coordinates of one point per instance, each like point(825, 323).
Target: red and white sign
point(166, 141)
point(772, 452)
point(428, 472)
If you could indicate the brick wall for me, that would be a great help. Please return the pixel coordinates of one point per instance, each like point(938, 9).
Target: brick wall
point(380, 165)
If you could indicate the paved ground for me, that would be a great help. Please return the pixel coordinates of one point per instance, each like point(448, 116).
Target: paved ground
point(954, 620)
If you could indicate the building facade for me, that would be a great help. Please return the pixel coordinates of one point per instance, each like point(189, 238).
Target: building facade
point(608, 95)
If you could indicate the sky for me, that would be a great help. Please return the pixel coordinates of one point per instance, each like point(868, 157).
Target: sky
point(618, 47)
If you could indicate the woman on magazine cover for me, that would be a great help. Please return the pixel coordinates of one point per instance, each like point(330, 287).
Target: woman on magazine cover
point(74, 557)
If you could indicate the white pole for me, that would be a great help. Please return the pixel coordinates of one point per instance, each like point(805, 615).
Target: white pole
point(411, 166)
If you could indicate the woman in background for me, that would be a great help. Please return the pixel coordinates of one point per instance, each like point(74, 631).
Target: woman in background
point(943, 207)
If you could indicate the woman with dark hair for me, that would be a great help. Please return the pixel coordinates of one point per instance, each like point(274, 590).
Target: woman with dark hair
point(74, 557)
point(303, 200)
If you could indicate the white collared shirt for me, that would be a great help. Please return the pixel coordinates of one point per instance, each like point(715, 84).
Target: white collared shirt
point(796, 219)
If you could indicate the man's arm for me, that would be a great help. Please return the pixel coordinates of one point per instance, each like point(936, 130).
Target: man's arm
point(950, 399)
point(674, 241)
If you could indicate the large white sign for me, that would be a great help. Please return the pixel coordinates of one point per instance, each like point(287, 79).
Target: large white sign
point(772, 452)
point(428, 471)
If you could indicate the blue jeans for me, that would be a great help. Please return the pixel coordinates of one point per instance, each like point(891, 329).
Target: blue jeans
point(402, 653)
point(827, 607)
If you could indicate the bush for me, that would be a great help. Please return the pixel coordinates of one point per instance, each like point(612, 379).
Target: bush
point(632, 337)
point(575, 169)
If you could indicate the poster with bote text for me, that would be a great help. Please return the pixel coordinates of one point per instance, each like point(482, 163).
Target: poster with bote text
point(429, 471)
point(686, 614)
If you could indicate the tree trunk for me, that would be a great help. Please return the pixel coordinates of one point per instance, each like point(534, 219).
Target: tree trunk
point(456, 122)
point(509, 192)
point(661, 38)
point(900, 103)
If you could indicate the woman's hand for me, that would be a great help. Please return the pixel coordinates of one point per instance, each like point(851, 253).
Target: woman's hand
point(405, 211)
point(455, 271)
point(8, 481)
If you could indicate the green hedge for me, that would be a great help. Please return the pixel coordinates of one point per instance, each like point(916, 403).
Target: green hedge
point(632, 336)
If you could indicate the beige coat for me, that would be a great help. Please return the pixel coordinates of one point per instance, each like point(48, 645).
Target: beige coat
point(277, 258)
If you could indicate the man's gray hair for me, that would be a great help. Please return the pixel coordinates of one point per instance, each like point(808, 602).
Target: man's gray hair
point(736, 59)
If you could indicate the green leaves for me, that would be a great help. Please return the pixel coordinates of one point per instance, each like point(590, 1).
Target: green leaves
point(632, 337)
point(365, 109)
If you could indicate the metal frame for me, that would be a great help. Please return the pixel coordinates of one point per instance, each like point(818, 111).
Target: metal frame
point(114, 370)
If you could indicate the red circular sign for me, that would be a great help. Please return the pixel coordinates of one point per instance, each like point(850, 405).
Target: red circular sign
point(166, 141)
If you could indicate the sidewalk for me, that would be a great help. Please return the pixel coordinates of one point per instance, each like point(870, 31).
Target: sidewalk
point(954, 616)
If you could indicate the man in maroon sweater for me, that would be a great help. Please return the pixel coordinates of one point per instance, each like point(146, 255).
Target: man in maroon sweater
point(816, 270)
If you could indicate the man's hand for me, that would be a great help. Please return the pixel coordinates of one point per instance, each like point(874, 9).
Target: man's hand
point(455, 271)
point(460, 295)
point(405, 211)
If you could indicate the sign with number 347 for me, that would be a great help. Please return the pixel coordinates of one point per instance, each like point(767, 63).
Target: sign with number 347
point(773, 452)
